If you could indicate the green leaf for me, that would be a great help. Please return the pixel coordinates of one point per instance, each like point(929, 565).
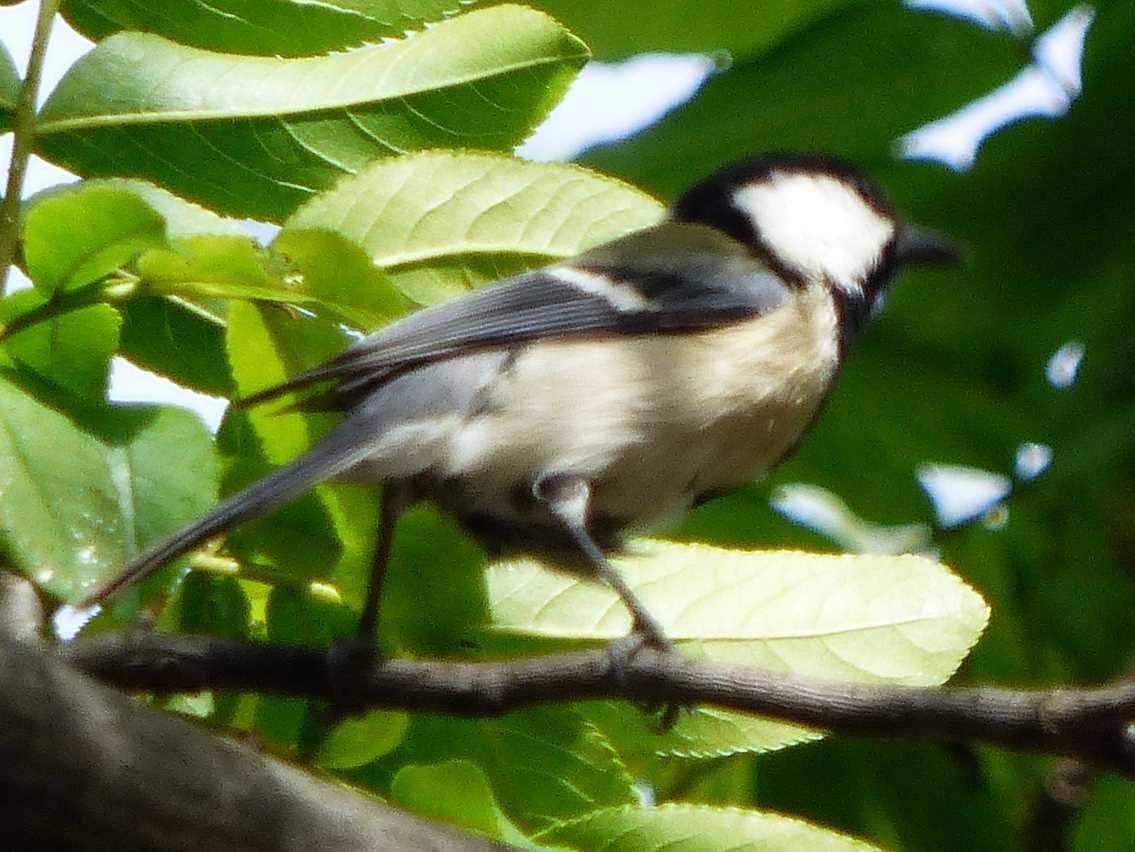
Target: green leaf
point(266, 345)
point(178, 340)
point(874, 619)
point(9, 88)
point(81, 497)
point(317, 269)
point(17, 305)
point(340, 275)
point(458, 792)
point(233, 262)
point(209, 605)
point(268, 27)
point(291, 546)
point(206, 268)
point(180, 334)
point(175, 337)
point(693, 828)
point(700, 733)
point(544, 765)
point(814, 92)
point(358, 741)
point(74, 237)
point(877, 797)
point(440, 222)
point(1108, 820)
point(620, 30)
point(72, 350)
point(302, 619)
point(264, 134)
point(433, 597)
point(182, 218)
point(896, 619)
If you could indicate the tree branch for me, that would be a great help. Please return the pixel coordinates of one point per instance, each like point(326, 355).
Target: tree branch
point(23, 130)
point(84, 767)
point(1096, 725)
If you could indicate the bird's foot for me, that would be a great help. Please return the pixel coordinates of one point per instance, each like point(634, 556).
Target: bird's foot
point(622, 651)
point(348, 660)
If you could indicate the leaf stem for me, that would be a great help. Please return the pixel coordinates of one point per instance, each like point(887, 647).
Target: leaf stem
point(23, 128)
point(108, 290)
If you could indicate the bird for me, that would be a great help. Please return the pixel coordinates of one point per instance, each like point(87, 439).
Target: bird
point(556, 411)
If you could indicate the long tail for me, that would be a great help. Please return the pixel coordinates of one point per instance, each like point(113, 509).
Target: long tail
point(336, 453)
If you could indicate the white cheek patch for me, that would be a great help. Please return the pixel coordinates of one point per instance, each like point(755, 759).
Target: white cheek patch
point(817, 225)
point(620, 296)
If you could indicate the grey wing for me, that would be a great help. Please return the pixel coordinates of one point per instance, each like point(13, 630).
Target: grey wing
point(670, 278)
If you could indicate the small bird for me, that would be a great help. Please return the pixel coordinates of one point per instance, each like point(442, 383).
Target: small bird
point(554, 411)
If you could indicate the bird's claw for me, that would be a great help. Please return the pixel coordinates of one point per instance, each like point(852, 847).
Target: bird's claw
point(347, 658)
point(621, 651)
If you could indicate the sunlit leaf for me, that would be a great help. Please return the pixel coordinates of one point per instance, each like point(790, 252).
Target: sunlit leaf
point(265, 347)
point(182, 218)
point(875, 619)
point(258, 135)
point(440, 222)
point(269, 27)
point(700, 732)
point(205, 268)
point(74, 237)
point(206, 259)
point(694, 828)
point(339, 275)
point(901, 619)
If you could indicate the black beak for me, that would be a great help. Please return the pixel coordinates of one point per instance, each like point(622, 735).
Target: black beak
point(920, 246)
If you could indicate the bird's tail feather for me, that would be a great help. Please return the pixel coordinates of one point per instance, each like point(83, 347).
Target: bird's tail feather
point(335, 454)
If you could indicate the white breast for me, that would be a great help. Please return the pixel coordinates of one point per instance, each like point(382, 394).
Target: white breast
point(654, 420)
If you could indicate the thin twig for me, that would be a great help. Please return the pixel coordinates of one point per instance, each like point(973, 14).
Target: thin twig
point(23, 128)
point(1096, 725)
point(106, 290)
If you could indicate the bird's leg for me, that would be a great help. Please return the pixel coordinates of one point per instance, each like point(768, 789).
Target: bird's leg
point(394, 501)
point(349, 654)
point(568, 499)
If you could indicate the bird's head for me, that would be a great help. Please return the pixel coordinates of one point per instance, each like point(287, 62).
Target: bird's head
point(815, 220)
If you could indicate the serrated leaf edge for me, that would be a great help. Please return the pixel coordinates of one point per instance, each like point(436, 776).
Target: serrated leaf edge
point(698, 808)
point(49, 126)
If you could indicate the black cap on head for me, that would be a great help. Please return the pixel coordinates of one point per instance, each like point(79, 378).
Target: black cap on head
point(714, 202)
